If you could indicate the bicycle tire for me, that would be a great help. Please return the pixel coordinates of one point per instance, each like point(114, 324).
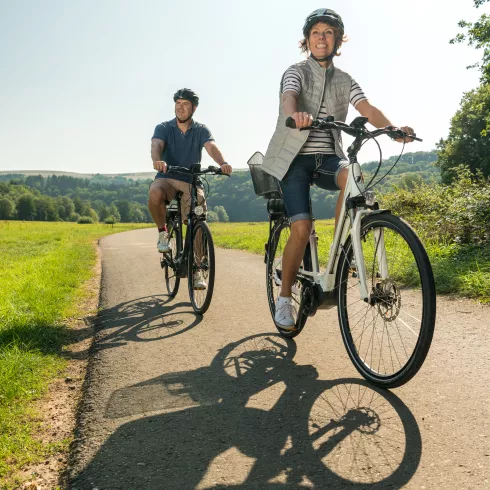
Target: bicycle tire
point(202, 241)
point(172, 279)
point(278, 239)
point(402, 306)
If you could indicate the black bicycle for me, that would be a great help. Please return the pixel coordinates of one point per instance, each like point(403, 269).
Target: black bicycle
point(192, 257)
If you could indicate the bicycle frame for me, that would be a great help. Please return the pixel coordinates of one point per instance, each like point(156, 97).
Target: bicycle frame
point(191, 219)
point(350, 224)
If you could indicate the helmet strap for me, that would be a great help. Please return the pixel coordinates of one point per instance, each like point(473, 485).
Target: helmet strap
point(330, 57)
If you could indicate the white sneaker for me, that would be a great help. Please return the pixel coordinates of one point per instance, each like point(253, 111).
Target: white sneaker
point(285, 314)
point(162, 244)
point(199, 282)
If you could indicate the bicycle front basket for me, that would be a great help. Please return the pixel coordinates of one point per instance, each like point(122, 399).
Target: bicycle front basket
point(265, 185)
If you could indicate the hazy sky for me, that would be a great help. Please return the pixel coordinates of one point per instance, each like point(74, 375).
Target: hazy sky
point(83, 84)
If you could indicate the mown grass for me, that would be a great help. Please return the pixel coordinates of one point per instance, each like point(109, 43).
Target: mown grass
point(458, 269)
point(43, 268)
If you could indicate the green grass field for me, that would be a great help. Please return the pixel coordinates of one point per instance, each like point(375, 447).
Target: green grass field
point(43, 268)
point(457, 269)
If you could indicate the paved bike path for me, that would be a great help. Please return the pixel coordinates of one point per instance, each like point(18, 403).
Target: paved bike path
point(176, 401)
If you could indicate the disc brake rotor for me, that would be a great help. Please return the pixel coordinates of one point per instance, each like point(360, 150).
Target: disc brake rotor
point(388, 299)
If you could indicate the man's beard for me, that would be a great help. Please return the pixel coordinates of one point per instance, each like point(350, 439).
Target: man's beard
point(182, 121)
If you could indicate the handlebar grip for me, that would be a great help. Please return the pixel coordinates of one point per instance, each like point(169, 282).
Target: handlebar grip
point(410, 136)
point(290, 123)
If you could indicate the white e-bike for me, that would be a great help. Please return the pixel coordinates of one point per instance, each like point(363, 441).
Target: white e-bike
point(378, 273)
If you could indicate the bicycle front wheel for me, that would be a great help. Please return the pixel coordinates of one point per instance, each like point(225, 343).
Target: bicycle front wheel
point(388, 336)
point(201, 268)
point(168, 260)
point(277, 242)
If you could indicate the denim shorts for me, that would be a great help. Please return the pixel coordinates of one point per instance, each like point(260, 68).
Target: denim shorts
point(306, 170)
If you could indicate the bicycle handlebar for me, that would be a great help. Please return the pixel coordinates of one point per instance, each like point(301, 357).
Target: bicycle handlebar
point(194, 171)
point(329, 123)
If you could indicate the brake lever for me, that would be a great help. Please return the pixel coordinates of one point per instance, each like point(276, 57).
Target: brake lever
point(402, 135)
point(217, 170)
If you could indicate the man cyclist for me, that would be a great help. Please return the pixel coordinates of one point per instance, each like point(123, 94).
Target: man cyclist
point(178, 142)
point(312, 89)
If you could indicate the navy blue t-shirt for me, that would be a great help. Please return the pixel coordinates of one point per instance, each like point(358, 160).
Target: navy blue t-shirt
point(183, 150)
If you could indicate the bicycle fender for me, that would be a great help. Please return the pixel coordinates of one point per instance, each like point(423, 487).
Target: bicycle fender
point(379, 211)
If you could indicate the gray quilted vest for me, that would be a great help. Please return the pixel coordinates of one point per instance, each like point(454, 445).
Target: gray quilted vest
point(334, 86)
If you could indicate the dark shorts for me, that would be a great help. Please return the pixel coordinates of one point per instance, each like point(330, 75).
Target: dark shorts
point(305, 170)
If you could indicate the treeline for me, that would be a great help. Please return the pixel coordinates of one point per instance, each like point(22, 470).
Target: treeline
point(233, 199)
point(30, 198)
point(237, 196)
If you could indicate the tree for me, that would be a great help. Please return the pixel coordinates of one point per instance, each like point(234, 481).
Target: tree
point(124, 210)
point(46, 209)
point(222, 214)
point(78, 205)
point(26, 207)
point(468, 141)
point(104, 213)
point(114, 212)
point(477, 35)
point(212, 217)
point(93, 214)
point(7, 208)
point(65, 207)
point(135, 214)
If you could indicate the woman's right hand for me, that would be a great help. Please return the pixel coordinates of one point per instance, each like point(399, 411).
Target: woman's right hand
point(302, 119)
point(160, 166)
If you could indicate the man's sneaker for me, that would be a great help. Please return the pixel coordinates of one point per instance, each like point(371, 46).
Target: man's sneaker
point(199, 282)
point(285, 313)
point(162, 244)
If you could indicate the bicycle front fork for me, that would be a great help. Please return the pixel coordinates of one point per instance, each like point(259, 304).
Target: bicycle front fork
point(379, 248)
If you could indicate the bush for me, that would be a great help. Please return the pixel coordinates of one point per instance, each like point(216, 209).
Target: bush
point(74, 217)
point(212, 217)
point(85, 220)
point(110, 220)
point(456, 213)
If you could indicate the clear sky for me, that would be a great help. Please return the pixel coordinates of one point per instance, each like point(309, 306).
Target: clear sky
point(83, 84)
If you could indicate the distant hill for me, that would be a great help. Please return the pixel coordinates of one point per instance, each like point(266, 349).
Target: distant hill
point(48, 173)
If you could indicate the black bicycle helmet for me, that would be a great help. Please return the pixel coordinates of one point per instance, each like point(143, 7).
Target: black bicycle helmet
point(187, 94)
point(323, 15)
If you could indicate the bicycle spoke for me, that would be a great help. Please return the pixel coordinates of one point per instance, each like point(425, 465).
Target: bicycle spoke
point(383, 332)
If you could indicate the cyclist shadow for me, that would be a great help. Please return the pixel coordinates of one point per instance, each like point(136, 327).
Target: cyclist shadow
point(143, 319)
point(258, 413)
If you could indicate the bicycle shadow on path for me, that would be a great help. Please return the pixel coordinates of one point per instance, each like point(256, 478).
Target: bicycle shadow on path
point(146, 319)
point(255, 419)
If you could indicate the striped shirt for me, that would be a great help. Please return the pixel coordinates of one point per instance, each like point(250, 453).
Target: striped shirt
point(318, 141)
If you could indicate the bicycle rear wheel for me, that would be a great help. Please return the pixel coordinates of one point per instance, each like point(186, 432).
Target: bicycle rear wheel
point(387, 337)
point(278, 239)
point(201, 268)
point(168, 260)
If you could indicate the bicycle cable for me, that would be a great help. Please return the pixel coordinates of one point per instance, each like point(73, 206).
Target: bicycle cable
point(378, 167)
point(379, 163)
point(391, 168)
